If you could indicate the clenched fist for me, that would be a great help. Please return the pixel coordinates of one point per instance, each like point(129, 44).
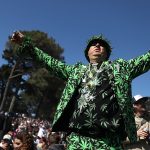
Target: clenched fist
point(17, 37)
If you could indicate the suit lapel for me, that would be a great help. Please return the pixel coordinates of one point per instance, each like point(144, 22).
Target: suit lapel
point(73, 81)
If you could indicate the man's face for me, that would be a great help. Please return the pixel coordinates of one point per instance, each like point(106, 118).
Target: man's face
point(4, 145)
point(97, 52)
point(139, 109)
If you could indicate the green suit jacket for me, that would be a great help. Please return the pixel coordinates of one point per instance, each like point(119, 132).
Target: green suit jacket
point(123, 72)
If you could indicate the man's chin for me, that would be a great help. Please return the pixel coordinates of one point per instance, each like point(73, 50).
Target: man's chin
point(99, 57)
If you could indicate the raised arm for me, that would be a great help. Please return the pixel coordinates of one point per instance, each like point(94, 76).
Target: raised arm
point(27, 47)
point(139, 65)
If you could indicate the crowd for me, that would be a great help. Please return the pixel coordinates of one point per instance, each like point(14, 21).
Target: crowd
point(27, 133)
point(31, 134)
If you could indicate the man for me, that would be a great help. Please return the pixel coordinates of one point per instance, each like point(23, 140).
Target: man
point(95, 108)
point(5, 144)
point(141, 116)
point(142, 119)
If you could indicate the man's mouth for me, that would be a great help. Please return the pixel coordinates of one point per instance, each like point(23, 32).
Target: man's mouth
point(97, 50)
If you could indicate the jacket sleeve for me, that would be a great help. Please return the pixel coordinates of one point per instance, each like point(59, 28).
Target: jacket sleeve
point(56, 67)
point(139, 65)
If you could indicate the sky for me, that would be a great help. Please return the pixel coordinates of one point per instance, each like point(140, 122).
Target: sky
point(126, 23)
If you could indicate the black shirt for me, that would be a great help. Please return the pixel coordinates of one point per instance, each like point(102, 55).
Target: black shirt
point(96, 108)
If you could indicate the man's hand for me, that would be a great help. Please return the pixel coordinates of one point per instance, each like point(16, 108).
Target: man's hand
point(17, 37)
point(142, 134)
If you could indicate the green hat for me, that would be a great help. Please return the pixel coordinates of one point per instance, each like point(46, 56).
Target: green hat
point(99, 38)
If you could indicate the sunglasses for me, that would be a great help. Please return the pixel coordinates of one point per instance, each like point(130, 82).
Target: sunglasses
point(94, 43)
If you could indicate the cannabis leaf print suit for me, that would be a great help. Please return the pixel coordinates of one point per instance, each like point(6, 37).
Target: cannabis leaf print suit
point(123, 72)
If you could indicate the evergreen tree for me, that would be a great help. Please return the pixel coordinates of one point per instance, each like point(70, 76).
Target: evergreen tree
point(36, 90)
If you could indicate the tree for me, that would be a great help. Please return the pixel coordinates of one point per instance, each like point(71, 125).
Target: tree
point(35, 89)
point(4, 74)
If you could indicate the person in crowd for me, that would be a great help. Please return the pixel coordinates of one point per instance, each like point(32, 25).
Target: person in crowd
point(6, 144)
point(95, 108)
point(54, 142)
point(8, 136)
point(23, 141)
point(42, 131)
point(142, 120)
point(43, 144)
